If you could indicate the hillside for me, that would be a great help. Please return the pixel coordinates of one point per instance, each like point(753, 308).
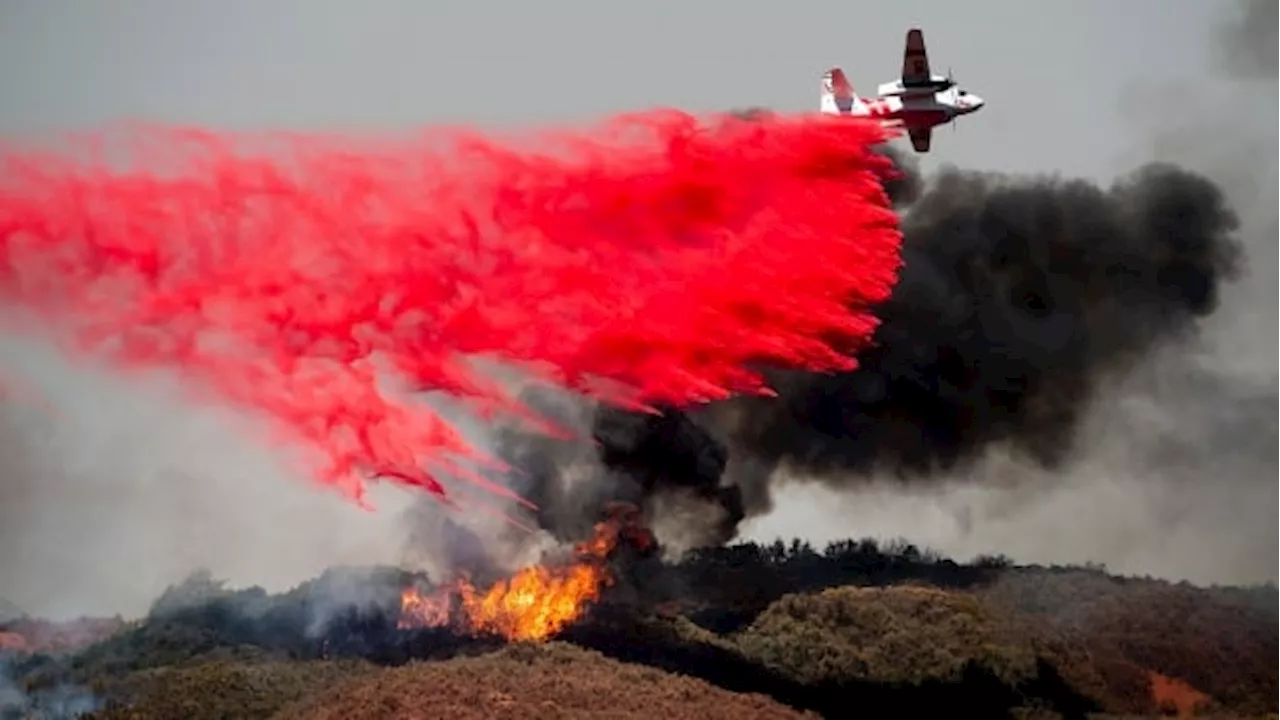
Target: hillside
point(743, 632)
point(530, 682)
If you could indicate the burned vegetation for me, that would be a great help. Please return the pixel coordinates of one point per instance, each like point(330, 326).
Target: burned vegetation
point(776, 631)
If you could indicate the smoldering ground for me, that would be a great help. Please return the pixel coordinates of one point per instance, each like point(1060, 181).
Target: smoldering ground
point(104, 513)
point(1070, 299)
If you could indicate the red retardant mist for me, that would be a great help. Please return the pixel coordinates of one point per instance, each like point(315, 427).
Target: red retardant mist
point(657, 258)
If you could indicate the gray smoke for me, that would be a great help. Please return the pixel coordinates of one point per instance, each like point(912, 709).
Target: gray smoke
point(9, 611)
point(1056, 352)
point(118, 489)
point(62, 701)
point(1020, 297)
point(1246, 43)
point(1175, 460)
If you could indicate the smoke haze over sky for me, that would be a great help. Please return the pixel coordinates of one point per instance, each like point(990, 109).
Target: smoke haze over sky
point(101, 510)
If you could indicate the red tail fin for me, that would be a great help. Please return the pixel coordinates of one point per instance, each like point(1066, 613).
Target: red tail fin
point(838, 85)
point(838, 97)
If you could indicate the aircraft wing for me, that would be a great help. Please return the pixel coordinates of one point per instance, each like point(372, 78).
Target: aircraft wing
point(915, 60)
point(921, 138)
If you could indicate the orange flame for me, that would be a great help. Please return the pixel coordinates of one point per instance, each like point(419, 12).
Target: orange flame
point(1172, 694)
point(418, 610)
point(14, 642)
point(534, 604)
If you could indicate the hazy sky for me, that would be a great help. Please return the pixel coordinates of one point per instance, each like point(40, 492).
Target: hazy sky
point(126, 489)
point(1052, 72)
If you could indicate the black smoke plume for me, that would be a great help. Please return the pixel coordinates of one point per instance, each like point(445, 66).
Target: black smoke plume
point(1016, 297)
point(1019, 297)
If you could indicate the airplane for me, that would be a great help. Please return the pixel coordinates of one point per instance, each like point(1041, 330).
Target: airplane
point(917, 101)
point(916, 78)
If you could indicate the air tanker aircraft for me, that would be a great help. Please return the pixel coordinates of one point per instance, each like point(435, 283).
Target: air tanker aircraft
point(917, 101)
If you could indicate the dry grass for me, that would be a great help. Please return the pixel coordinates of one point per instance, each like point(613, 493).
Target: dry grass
point(1214, 641)
point(532, 682)
point(223, 689)
point(1033, 642)
point(42, 636)
point(898, 634)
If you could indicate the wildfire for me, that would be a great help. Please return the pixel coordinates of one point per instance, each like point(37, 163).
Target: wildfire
point(14, 642)
point(29, 635)
point(536, 602)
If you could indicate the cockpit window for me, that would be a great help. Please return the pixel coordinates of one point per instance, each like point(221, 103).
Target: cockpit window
point(964, 92)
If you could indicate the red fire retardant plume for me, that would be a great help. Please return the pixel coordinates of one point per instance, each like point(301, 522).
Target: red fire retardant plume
point(655, 259)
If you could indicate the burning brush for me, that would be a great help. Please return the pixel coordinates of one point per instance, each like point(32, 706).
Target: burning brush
point(538, 601)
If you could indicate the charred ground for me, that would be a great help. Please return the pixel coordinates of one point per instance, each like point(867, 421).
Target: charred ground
point(1019, 299)
point(891, 628)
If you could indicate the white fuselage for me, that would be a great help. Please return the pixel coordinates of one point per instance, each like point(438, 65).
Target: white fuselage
point(912, 109)
point(916, 101)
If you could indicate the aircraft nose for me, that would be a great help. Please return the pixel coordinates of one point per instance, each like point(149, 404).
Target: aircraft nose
point(975, 101)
